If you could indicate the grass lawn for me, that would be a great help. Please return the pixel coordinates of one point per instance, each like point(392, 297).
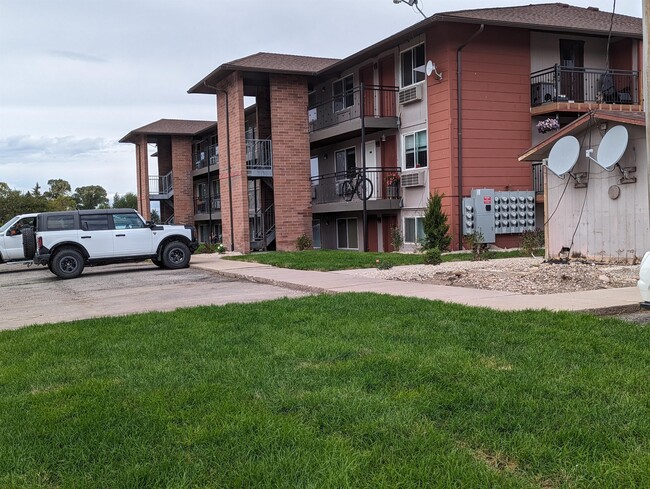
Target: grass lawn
point(328, 260)
point(352, 390)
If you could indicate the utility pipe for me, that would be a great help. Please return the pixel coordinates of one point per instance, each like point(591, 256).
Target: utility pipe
point(459, 109)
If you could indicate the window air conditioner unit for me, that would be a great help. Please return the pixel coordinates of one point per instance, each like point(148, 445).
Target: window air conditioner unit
point(410, 94)
point(413, 179)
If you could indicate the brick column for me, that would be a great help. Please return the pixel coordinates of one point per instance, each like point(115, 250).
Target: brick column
point(291, 171)
point(181, 149)
point(238, 176)
point(142, 176)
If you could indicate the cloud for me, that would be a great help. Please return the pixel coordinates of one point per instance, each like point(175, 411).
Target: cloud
point(71, 55)
point(16, 149)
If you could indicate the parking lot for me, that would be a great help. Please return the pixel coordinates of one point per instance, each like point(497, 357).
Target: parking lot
point(35, 296)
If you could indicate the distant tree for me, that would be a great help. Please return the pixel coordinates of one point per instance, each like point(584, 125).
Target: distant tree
point(127, 201)
point(155, 217)
point(14, 202)
point(91, 197)
point(58, 188)
point(36, 191)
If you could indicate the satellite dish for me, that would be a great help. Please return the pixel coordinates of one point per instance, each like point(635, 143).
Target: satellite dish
point(612, 147)
point(564, 155)
point(430, 67)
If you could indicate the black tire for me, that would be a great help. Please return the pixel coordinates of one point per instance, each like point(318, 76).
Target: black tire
point(176, 255)
point(158, 263)
point(348, 190)
point(67, 263)
point(29, 243)
point(364, 190)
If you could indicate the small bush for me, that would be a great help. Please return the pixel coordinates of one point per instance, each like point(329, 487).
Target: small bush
point(303, 243)
point(532, 240)
point(436, 228)
point(383, 265)
point(210, 248)
point(432, 256)
point(475, 242)
point(396, 239)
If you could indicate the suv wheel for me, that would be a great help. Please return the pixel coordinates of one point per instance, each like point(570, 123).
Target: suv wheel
point(158, 263)
point(176, 255)
point(29, 243)
point(67, 263)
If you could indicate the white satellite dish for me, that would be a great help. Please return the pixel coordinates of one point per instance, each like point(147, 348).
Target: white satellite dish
point(564, 155)
point(612, 147)
point(430, 69)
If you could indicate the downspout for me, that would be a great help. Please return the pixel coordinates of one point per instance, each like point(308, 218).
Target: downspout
point(232, 226)
point(459, 109)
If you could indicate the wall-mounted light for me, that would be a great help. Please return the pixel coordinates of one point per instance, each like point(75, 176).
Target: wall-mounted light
point(383, 138)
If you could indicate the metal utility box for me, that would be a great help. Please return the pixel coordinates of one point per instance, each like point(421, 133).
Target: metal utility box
point(494, 213)
point(479, 214)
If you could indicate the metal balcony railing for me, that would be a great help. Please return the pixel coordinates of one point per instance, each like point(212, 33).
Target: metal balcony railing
point(201, 204)
point(161, 185)
point(378, 101)
point(564, 84)
point(259, 154)
point(328, 188)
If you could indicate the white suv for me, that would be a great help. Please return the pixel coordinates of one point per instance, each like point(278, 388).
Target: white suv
point(67, 241)
point(11, 239)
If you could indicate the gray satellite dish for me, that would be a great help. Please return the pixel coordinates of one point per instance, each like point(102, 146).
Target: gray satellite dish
point(612, 147)
point(564, 155)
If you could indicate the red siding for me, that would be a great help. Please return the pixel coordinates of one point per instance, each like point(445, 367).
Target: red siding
point(496, 112)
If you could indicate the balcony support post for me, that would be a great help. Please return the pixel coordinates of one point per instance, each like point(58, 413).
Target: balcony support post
point(363, 173)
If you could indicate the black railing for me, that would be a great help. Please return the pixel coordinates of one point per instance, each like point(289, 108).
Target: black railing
point(378, 101)
point(564, 84)
point(201, 205)
point(328, 188)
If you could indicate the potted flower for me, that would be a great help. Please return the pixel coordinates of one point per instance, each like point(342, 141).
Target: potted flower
point(548, 125)
point(392, 180)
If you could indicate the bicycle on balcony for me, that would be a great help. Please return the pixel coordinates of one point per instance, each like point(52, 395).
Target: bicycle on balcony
point(356, 184)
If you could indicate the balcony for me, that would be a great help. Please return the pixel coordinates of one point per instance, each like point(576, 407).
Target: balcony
point(259, 158)
point(161, 187)
point(327, 191)
point(201, 162)
point(560, 88)
point(202, 208)
point(340, 117)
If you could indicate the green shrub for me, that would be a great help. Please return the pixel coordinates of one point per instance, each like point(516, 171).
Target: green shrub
point(475, 242)
point(303, 243)
point(396, 239)
point(435, 225)
point(432, 256)
point(532, 240)
point(383, 265)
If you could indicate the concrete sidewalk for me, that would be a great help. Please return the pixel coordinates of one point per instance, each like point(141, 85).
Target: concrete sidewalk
point(601, 301)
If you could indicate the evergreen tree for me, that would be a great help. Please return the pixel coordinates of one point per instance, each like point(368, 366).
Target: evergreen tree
point(435, 225)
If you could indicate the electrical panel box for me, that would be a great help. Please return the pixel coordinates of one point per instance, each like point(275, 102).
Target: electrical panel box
point(493, 213)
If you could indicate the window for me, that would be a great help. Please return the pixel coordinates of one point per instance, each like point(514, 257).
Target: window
point(412, 65)
point(127, 221)
point(59, 223)
point(415, 150)
point(315, 232)
point(343, 92)
point(345, 163)
point(94, 222)
point(313, 164)
point(216, 195)
point(347, 238)
point(413, 229)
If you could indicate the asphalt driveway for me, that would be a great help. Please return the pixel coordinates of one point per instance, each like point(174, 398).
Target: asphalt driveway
point(36, 296)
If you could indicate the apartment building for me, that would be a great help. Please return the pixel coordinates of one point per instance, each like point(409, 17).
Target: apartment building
point(345, 150)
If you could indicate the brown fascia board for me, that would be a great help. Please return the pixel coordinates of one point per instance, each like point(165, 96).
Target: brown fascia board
point(536, 27)
point(633, 118)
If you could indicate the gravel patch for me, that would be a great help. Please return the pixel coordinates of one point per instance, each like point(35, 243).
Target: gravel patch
point(529, 276)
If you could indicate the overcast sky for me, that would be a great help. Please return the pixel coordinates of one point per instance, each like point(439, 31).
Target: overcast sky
point(77, 75)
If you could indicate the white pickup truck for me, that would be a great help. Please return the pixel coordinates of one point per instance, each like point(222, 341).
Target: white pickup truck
point(11, 239)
